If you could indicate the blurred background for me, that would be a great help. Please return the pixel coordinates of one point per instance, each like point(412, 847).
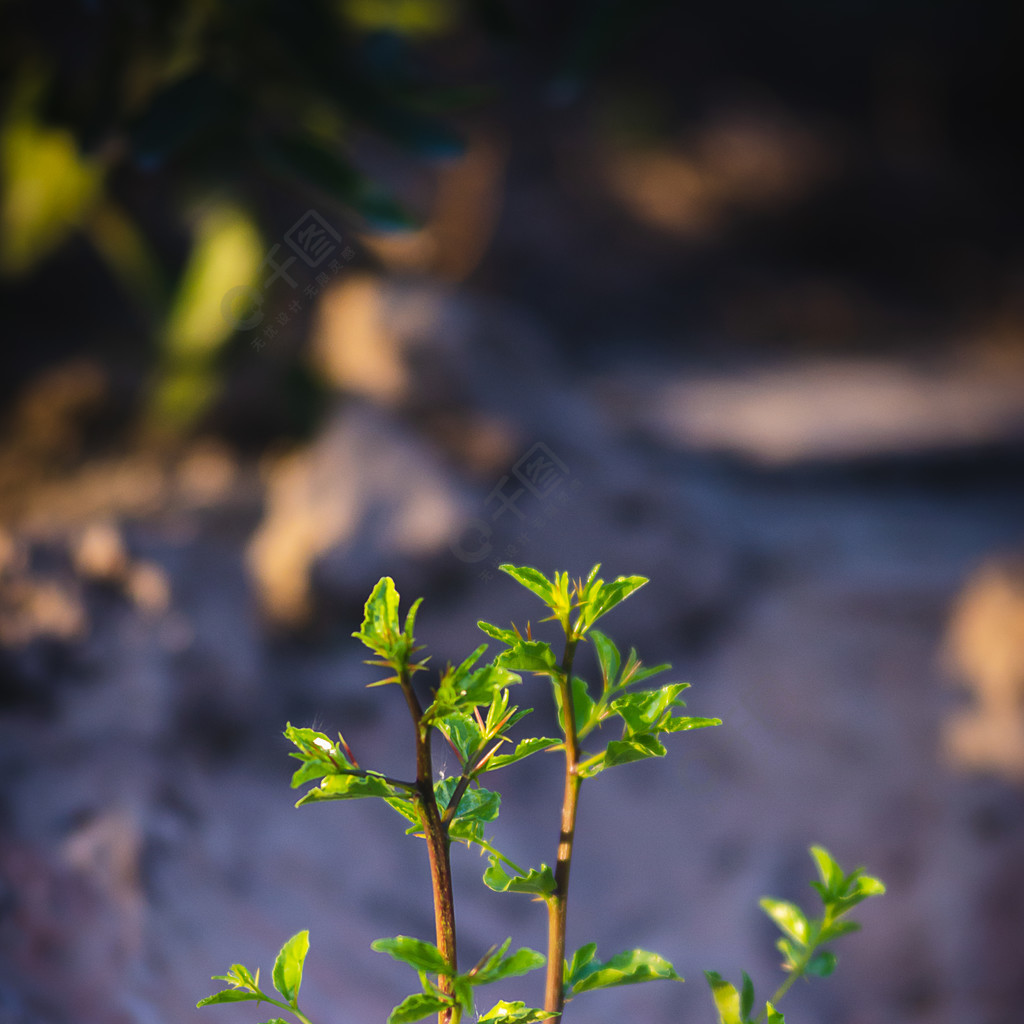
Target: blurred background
point(293, 296)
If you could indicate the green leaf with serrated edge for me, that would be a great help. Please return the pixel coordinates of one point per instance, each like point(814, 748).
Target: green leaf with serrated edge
point(607, 657)
point(416, 1007)
point(627, 968)
point(408, 809)
point(746, 996)
point(528, 656)
point(774, 1017)
point(523, 749)
point(788, 916)
point(506, 636)
point(727, 999)
point(522, 961)
point(533, 580)
point(636, 748)
point(536, 882)
point(822, 964)
point(514, 1013)
point(600, 598)
point(477, 803)
point(579, 966)
point(348, 787)
point(229, 995)
point(288, 966)
point(462, 732)
point(380, 630)
point(634, 671)
point(420, 955)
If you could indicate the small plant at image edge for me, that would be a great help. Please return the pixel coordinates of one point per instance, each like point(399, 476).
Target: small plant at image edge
point(470, 708)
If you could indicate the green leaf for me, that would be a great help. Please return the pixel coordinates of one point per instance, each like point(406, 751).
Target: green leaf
point(746, 996)
point(536, 882)
point(822, 964)
point(229, 995)
point(288, 966)
point(423, 956)
point(514, 1013)
point(838, 928)
point(830, 872)
point(583, 707)
point(528, 656)
point(627, 968)
point(499, 966)
point(416, 1007)
point(727, 999)
point(380, 630)
point(523, 749)
point(608, 658)
point(506, 636)
point(275, 1020)
point(788, 916)
point(349, 787)
point(598, 598)
point(637, 748)
point(580, 965)
point(533, 580)
point(462, 732)
point(774, 1017)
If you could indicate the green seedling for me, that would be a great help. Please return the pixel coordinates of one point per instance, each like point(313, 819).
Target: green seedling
point(470, 708)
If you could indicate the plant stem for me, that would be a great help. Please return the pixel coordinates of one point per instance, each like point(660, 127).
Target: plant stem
point(437, 846)
point(558, 901)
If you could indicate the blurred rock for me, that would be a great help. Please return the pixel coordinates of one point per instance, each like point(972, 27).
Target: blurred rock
point(986, 645)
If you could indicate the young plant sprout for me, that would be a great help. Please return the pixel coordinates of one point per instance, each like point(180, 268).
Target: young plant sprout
point(470, 707)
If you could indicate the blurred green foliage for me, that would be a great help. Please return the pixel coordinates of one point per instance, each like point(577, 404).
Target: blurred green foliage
point(170, 136)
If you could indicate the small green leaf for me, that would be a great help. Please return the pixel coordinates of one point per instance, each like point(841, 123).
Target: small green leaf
point(506, 636)
point(746, 996)
point(533, 580)
point(727, 999)
point(349, 787)
point(288, 967)
point(580, 965)
point(830, 872)
point(229, 995)
point(523, 749)
point(638, 748)
point(627, 968)
point(380, 630)
point(822, 964)
point(499, 966)
point(536, 882)
point(608, 658)
point(788, 916)
point(583, 707)
point(528, 656)
point(416, 1007)
point(275, 1020)
point(423, 956)
point(599, 598)
point(774, 1017)
point(514, 1013)
point(838, 928)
